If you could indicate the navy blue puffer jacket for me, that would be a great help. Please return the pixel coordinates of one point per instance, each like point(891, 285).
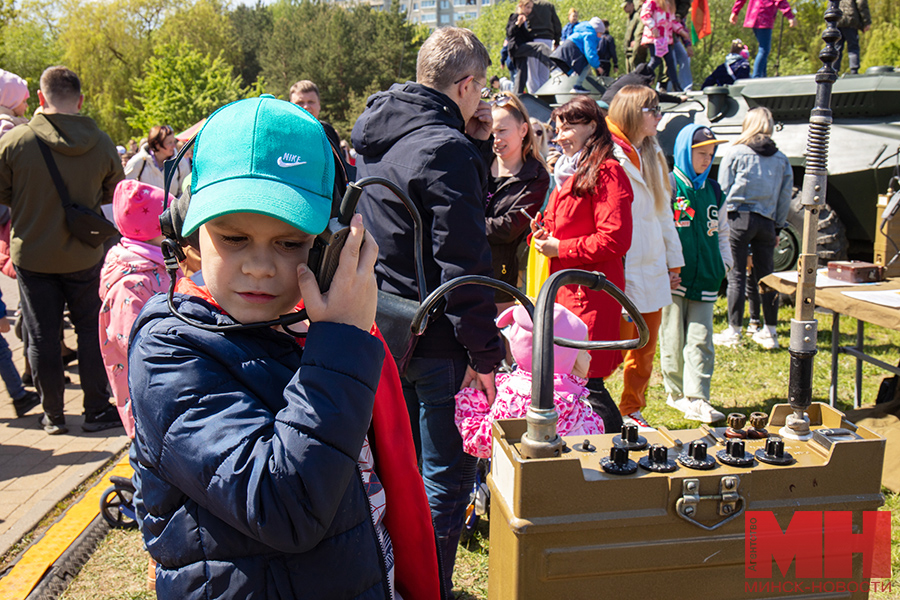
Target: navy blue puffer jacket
point(245, 457)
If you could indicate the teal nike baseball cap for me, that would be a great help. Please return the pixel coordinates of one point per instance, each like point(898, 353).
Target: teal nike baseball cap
point(266, 156)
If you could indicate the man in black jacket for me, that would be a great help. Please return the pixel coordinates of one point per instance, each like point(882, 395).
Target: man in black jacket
point(431, 138)
point(547, 30)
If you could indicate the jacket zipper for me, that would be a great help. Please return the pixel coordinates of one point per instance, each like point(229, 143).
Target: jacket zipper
point(381, 558)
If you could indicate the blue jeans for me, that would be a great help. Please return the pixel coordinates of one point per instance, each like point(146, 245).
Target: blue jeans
point(764, 39)
point(683, 61)
point(43, 297)
point(429, 387)
point(9, 373)
point(579, 81)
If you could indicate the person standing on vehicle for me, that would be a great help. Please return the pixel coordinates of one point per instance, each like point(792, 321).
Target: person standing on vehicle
point(761, 19)
point(570, 26)
point(854, 18)
point(431, 138)
point(635, 53)
point(757, 181)
point(547, 30)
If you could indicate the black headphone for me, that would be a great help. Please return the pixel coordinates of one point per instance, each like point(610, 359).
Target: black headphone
point(171, 223)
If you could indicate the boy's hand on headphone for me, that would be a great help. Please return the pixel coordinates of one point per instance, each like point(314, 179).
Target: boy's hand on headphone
point(353, 295)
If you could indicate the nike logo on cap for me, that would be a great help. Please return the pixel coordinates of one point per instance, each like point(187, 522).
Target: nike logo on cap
point(289, 160)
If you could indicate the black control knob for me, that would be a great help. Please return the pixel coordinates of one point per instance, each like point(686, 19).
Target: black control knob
point(618, 463)
point(585, 446)
point(657, 460)
point(695, 457)
point(734, 454)
point(773, 453)
point(630, 438)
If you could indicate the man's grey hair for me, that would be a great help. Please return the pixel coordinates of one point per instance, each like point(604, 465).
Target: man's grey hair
point(448, 55)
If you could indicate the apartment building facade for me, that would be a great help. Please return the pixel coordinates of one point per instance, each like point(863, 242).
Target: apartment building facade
point(435, 13)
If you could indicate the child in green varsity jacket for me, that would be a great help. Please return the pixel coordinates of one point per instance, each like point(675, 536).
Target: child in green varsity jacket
point(686, 346)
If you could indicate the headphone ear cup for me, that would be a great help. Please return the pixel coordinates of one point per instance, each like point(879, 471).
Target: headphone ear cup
point(171, 223)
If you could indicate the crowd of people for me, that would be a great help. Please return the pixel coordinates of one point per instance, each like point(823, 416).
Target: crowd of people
point(657, 32)
point(294, 446)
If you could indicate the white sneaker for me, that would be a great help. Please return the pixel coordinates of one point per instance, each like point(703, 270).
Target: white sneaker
point(701, 410)
point(638, 419)
point(753, 327)
point(766, 339)
point(728, 338)
point(681, 403)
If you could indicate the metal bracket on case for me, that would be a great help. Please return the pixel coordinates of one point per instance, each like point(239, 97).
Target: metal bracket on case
point(730, 502)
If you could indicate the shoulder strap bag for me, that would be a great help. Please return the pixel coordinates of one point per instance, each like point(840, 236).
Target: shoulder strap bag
point(83, 223)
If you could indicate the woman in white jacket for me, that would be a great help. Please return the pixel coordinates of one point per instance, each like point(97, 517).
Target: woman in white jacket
point(654, 260)
point(147, 166)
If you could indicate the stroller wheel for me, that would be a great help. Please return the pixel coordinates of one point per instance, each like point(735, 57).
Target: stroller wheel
point(117, 507)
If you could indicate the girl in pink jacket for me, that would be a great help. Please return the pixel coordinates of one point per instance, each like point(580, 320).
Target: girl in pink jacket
point(660, 27)
point(132, 273)
point(474, 414)
point(761, 18)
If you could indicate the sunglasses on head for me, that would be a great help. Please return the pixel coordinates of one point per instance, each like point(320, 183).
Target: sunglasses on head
point(500, 100)
point(655, 110)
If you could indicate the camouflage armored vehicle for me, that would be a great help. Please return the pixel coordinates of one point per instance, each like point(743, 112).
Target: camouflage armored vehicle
point(864, 148)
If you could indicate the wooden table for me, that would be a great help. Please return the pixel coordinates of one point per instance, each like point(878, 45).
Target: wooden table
point(832, 299)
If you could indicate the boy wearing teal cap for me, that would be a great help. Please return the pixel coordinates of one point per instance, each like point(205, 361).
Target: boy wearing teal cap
point(687, 355)
point(255, 460)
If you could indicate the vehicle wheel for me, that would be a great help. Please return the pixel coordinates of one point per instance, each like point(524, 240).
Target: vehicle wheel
point(831, 243)
point(114, 506)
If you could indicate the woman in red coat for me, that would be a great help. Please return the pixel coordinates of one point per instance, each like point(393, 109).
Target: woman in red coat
point(587, 226)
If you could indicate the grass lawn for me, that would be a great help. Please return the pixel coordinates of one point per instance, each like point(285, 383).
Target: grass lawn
point(746, 379)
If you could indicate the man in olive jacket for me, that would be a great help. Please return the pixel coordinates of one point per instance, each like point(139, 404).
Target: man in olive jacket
point(53, 267)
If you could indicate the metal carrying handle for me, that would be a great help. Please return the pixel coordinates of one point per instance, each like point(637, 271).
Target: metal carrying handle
point(541, 439)
point(543, 341)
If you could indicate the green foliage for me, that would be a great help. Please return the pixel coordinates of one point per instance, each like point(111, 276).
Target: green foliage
point(7, 13)
point(882, 46)
point(204, 25)
point(346, 52)
point(108, 49)
point(26, 49)
point(252, 27)
point(181, 86)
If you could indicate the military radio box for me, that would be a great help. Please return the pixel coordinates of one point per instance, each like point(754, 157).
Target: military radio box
point(884, 250)
point(565, 527)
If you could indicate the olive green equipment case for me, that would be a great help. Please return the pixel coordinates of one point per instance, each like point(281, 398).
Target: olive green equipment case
point(564, 528)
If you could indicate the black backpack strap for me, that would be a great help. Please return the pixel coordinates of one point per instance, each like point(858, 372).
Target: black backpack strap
point(54, 172)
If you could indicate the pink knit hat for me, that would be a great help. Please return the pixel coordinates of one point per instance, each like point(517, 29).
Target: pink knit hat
point(13, 89)
point(565, 325)
point(136, 209)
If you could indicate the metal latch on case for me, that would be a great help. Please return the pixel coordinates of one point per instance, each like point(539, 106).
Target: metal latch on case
point(730, 503)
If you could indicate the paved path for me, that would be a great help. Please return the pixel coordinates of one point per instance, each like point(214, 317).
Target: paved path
point(38, 470)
